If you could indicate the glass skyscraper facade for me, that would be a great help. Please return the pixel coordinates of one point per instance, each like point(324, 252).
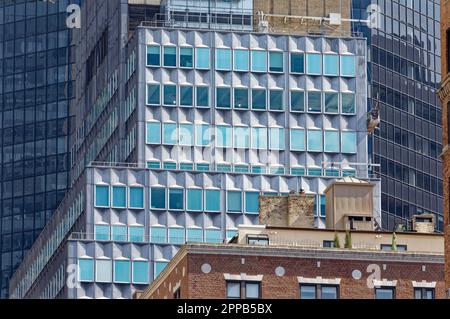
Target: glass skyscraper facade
point(405, 73)
point(35, 90)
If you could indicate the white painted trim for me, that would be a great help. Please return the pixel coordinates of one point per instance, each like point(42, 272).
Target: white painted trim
point(242, 277)
point(319, 280)
point(384, 283)
point(424, 284)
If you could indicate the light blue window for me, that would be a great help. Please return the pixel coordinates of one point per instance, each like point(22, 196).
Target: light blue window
point(349, 142)
point(223, 167)
point(258, 169)
point(332, 173)
point(323, 211)
point(349, 172)
point(259, 137)
point(315, 172)
point(103, 270)
point(101, 232)
point(276, 138)
point(85, 269)
point(202, 135)
point(186, 95)
point(187, 134)
point(212, 200)
point(331, 64)
point(241, 60)
point(315, 102)
point(176, 199)
point(213, 236)
point(170, 56)
point(252, 202)
point(153, 134)
point(241, 169)
point(297, 140)
point(153, 55)
point(202, 167)
point(119, 196)
point(223, 136)
point(176, 236)
point(276, 100)
point(234, 201)
point(259, 99)
point(136, 234)
point(223, 59)
point(186, 57)
point(298, 63)
point(223, 98)
point(297, 171)
point(314, 141)
point(140, 272)
point(231, 233)
point(202, 58)
point(170, 94)
point(259, 61)
point(136, 197)
point(158, 198)
point(276, 170)
point(202, 96)
point(153, 94)
point(314, 63)
point(170, 134)
point(241, 137)
point(159, 267)
point(158, 235)
point(169, 165)
point(154, 164)
point(194, 235)
point(119, 233)
point(241, 98)
point(276, 63)
point(194, 199)
point(122, 271)
point(348, 65)
point(187, 166)
point(331, 141)
point(297, 101)
point(348, 103)
point(101, 195)
point(332, 103)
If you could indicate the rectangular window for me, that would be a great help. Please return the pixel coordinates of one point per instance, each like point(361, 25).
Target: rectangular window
point(241, 60)
point(259, 99)
point(297, 140)
point(141, 272)
point(158, 235)
point(276, 141)
point(186, 95)
point(153, 55)
point(136, 197)
point(169, 165)
point(122, 271)
point(423, 293)
point(202, 96)
point(252, 202)
point(349, 142)
point(176, 199)
point(170, 56)
point(323, 207)
point(119, 233)
point(241, 98)
point(276, 63)
point(241, 137)
point(385, 293)
point(332, 103)
point(223, 98)
point(331, 64)
point(234, 201)
point(252, 290)
point(276, 100)
point(153, 134)
point(233, 290)
point(298, 63)
point(297, 101)
point(170, 94)
point(85, 270)
point(136, 234)
point(202, 58)
point(331, 141)
point(223, 136)
point(176, 236)
point(329, 292)
point(186, 58)
point(348, 103)
point(153, 94)
point(241, 169)
point(259, 61)
point(158, 198)
point(212, 200)
point(101, 232)
point(315, 102)
point(223, 59)
point(202, 167)
point(213, 236)
point(170, 135)
point(194, 200)
point(194, 235)
point(186, 166)
point(159, 267)
point(186, 134)
point(314, 140)
point(103, 272)
point(259, 137)
point(101, 196)
point(314, 63)
point(202, 135)
point(119, 196)
point(348, 65)
point(308, 292)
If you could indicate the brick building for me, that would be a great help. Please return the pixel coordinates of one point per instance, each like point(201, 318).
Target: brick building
point(444, 94)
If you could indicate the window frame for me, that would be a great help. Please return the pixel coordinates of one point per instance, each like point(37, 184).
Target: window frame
point(235, 68)
point(270, 67)
point(129, 197)
point(197, 57)
point(165, 197)
point(180, 88)
point(182, 199)
point(297, 91)
point(147, 94)
point(108, 193)
point(159, 56)
point(192, 56)
point(164, 47)
point(153, 122)
point(291, 54)
point(376, 289)
point(230, 62)
point(229, 89)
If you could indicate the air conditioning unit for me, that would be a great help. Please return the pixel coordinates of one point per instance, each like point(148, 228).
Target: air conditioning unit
point(335, 19)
